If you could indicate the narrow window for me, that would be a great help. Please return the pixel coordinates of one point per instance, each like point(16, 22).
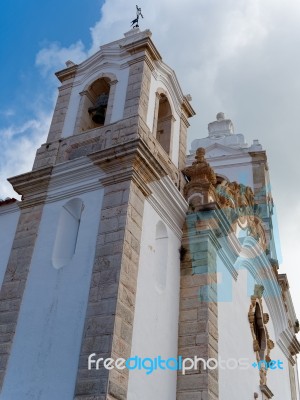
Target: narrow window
point(164, 124)
point(67, 233)
point(161, 255)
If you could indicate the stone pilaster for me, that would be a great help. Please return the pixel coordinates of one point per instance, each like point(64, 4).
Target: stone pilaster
point(198, 327)
point(137, 95)
point(110, 312)
point(67, 77)
point(33, 186)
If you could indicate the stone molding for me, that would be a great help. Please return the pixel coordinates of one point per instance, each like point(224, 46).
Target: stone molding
point(32, 186)
point(67, 73)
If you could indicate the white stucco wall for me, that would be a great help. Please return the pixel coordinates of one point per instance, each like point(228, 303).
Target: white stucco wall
point(9, 216)
point(155, 329)
point(44, 358)
point(235, 341)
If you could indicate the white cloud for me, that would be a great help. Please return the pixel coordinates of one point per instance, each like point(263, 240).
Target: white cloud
point(54, 56)
point(18, 148)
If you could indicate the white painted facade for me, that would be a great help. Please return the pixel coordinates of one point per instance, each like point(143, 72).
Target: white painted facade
point(55, 299)
point(235, 342)
point(155, 331)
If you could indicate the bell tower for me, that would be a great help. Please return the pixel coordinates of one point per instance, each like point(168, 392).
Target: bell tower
point(94, 266)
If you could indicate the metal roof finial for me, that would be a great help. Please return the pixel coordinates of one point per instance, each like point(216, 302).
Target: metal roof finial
point(135, 22)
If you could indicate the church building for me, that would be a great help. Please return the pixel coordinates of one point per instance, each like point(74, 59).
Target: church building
point(130, 270)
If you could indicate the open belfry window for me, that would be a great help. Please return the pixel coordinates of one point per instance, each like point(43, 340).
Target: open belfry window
point(99, 93)
point(164, 123)
point(94, 103)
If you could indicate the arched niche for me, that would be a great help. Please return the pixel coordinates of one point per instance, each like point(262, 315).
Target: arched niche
point(163, 122)
point(161, 255)
point(67, 233)
point(96, 104)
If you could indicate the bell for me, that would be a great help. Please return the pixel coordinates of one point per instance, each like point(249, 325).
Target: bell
point(99, 117)
point(99, 109)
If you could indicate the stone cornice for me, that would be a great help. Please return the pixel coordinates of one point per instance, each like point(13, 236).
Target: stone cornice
point(258, 156)
point(142, 45)
point(32, 186)
point(190, 112)
point(134, 159)
point(67, 73)
point(73, 178)
point(144, 57)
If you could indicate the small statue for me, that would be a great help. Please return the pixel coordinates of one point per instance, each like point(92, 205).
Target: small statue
point(135, 22)
point(99, 109)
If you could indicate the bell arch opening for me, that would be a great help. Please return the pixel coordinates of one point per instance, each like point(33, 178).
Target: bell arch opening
point(164, 124)
point(94, 105)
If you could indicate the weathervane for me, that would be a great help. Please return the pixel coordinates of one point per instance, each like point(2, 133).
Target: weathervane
point(135, 22)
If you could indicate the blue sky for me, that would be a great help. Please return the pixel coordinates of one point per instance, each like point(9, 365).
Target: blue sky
point(236, 56)
point(26, 28)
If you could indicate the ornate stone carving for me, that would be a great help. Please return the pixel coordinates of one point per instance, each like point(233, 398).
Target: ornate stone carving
point(266, 318)
point(204, 188)
point(262, 344)
point(200, 190)
point(200, 171)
